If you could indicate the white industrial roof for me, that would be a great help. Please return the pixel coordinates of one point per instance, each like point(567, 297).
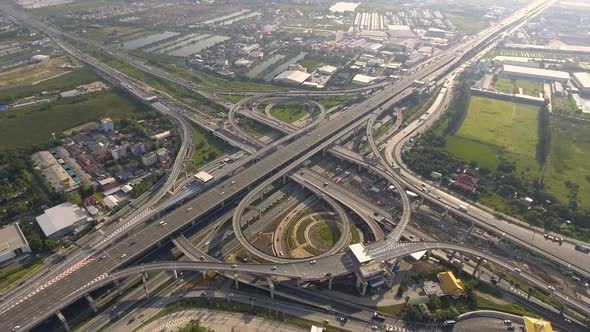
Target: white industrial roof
point(106, 181)
point(11, 238)
point(293, 76)
point(583, 79)
point(59, 217)
point(359, 251)
point(328, 69)
point(126, 188)
point(360, 78)
point(536, 72)
point(111, 201)
point(203, 176)
point(398, 27)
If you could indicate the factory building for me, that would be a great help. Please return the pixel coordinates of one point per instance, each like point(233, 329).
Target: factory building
point(536, 74)
point(582, 81)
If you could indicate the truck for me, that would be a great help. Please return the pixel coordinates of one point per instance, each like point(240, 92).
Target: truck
point(463, 208)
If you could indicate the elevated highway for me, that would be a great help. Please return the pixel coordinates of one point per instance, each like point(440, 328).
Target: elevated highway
point(51, 299)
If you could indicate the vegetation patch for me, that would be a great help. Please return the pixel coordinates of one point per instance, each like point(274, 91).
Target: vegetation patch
point(207, 146)
point(289, 111)
point(26, 127)
point(507, 85)
point(325, 234)
point(495, 130)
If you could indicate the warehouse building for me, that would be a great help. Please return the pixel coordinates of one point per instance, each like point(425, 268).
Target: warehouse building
point(294, 77)
point(582, 81)
point(12, 242)
point(62, 219)
point(361, 79)
point(537, 74)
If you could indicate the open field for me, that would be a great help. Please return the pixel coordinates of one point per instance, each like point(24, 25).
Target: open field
point(464, 23)
point(207, 146)
point(11, 279)
point(70, 7)
point(290, 111)
point(326, 234)
point(568, 161)
point(496, 129)
point(123, 33)
point(63, 82)
point(504, 84)
point(33, 73)
point(30, 126)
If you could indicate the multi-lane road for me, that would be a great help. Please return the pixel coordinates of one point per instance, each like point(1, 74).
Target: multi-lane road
point(52, 298)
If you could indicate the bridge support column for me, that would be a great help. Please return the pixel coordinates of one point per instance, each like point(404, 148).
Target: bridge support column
point(477, 267)
point(299, 282)
point(271, 286)
point(364, 290)
point(237, 281)
point(63, 320)
point(175, 273)
point(91, 302)
point(358, 281)
point(118, 287)
point(204, 274)
point(144, 277)
point(324, 152)
point(284, 179)
point(193, 222)
point(330, 283)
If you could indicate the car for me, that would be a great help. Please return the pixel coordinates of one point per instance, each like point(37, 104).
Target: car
point(131, 243)
point(15, 328)
point(374, 327)
point(327, 274)
point(273, 268)
point(189, 209)
point(163, 222)
point(281, 254)
point(342, 319)
point(507, 322)
point(123, 256)
point(567, 320)
point(234, 266)
point(517, 270)
point(551, 288)
point(206, 244)
point(202, 258)
point(313, 262)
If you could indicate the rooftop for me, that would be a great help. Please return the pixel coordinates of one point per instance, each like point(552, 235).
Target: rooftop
point(537, 325)
point(293, 76)
point(11, 238)
point(536, 72)
point(203, 176)
point(450, 284)
point(359, 251)
point(582, 79)
point(59, 217)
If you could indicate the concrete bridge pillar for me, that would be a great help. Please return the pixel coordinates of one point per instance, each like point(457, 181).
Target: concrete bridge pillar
point(324, 152)
point(91, 302)
point(237, 281)
point(358, 281)
point(63, 320)
point(330, 283)
point(204, 274)
point(193, 222)
point(299, 282)
point(364, 290)
point(144, 278)
point(477, 267)
point(175, 273)
point(271, 286)
point(284, 179)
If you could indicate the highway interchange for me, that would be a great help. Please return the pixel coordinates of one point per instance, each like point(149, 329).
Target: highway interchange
point(278, 159)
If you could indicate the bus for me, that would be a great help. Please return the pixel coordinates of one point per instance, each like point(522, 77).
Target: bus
point(582, 248)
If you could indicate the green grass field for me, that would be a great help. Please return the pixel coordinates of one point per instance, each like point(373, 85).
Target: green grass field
point(569, 160)
point(23, 128)
point(511, 86)
point(8, 281)
point(495, 129)
point(61, 83)
point(207, 146)
point(326, 235)
point(70, 7)
point(290, 111)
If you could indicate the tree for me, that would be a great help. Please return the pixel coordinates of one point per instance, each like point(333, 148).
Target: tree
point(73, 198)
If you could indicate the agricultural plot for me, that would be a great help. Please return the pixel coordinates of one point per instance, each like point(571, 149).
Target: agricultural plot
point(31, 126)
point(34, 73)
point(495, 130)
point(568, 173)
